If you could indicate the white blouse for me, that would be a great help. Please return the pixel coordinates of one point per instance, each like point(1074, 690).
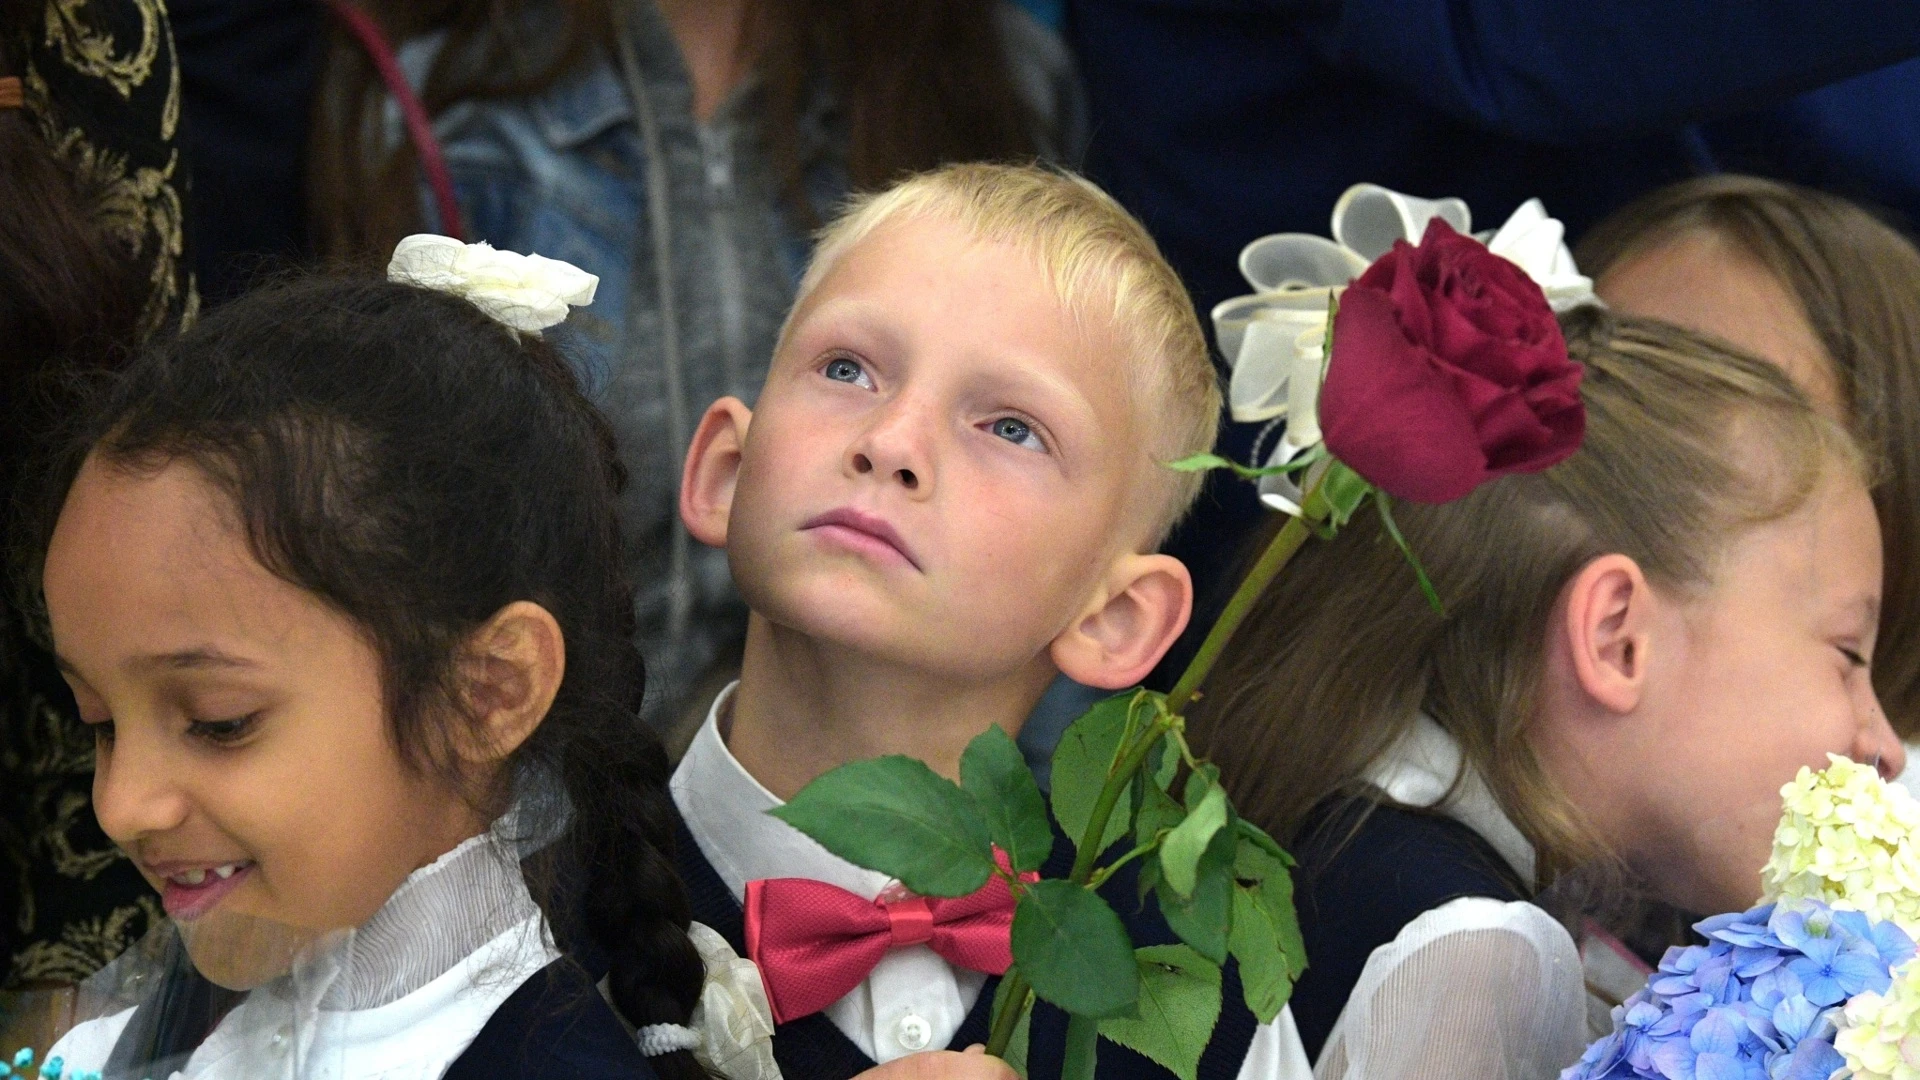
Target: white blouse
point(398, 999)
point(914, 1000)
point(1475, 989)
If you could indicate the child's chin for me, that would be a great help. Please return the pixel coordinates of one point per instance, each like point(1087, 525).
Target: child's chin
point(242, 952)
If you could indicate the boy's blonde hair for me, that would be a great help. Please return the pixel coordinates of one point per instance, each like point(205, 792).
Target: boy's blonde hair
point(1689, 445)
point(1105, 270)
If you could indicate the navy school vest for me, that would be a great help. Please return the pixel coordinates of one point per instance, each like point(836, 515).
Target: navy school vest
point(811, 1048)
point(1365, 872)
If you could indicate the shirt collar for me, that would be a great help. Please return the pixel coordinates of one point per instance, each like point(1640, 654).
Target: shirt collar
point(725, 809)
point(1426, 769)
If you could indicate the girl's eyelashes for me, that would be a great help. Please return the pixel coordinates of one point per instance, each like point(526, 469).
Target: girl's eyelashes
point(1854, 656)
point(1018, 432)
point(847, 370)
point(223, 732)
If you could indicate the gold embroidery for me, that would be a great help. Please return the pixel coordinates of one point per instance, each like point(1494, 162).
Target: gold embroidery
point(86, 945)
point(143, 210)
point(91, 52)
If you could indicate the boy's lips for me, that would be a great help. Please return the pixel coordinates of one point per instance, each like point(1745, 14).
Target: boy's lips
point(863, 532)
point(190, 890)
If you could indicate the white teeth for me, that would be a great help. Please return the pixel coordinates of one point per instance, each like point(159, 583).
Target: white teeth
point(193, 877)
point(226, 871)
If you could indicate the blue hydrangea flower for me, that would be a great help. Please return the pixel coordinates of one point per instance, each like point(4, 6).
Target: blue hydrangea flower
point(1757, 1001)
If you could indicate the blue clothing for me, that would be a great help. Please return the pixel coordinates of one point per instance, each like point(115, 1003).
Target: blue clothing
point(813, 1048)
point(1218, 121)
point(1355, 889)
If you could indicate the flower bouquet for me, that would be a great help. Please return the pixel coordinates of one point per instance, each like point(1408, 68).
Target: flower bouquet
point(1440, 367)
point(1813, 983)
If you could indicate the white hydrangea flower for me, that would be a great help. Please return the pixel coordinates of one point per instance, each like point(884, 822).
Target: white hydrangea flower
point(1843, 840)
point(526, 292)
point(1879, 1036)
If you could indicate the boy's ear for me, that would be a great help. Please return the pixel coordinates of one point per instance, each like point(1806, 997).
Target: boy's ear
point(511, 670)
point(713, 465)
point(1115, 642)
point(1609, 631)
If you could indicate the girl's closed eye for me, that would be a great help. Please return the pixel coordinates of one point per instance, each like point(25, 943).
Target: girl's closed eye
point(1019, 432)
point(224, 732)
point(847, 370)
point(1854, 657)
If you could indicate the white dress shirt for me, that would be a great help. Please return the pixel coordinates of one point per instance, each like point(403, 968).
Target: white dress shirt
point(913, 1000)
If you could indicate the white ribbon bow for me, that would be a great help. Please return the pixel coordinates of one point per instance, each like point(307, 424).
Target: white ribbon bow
point(1274, 338)
point(734, 1019)
point(527, 292)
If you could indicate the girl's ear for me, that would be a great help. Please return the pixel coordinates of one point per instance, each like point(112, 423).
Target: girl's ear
point(512, 670)
point(1115, 642)
point(1609, 631)
point(713, 465)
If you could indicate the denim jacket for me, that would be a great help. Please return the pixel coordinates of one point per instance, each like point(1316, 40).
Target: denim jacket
point(698, 259)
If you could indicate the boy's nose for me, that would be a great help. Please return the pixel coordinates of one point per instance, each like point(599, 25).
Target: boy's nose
point(895, 447)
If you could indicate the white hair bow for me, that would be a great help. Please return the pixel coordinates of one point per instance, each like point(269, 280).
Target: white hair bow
point(527, 292)
point(1274, 338)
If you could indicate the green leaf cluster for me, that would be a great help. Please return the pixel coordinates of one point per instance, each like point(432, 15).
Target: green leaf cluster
point(1222, 884)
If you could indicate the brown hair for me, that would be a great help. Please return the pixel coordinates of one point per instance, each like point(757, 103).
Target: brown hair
point(920, 84)
point(1343, 651)
point(1858, 284)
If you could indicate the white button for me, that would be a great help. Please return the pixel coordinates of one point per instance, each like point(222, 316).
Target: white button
point(913, 1033)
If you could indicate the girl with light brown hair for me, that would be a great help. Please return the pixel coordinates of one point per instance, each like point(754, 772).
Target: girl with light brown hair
point(1823, 288)
point(1639, 645)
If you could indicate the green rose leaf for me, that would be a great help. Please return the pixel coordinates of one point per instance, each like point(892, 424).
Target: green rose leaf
point(1266, 933)
point(996, 775)
point(1204, 917)
point(896, 816)
point(1080, 766)
point(1158, 812)
point(1181, 851)
point(1179, 1004)
point(1074, 950)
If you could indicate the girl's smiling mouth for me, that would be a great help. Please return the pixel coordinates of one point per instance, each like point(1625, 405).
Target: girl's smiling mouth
point(188, 892)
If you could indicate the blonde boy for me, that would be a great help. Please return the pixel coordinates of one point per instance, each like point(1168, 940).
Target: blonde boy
point(950, 492)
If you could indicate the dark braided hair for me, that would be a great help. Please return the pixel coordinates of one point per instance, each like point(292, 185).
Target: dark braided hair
point(419, 466)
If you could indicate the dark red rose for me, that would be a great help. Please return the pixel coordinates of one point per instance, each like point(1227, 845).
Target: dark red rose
point(1448, 370)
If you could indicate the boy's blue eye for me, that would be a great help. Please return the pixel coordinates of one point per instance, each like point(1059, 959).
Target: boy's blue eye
point(841, 369)
point(1017, 431)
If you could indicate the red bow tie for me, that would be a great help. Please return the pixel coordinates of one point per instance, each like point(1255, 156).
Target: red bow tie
point(815, 942)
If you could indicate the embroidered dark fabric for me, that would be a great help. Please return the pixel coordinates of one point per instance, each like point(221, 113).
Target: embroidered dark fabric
point(99, 81)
